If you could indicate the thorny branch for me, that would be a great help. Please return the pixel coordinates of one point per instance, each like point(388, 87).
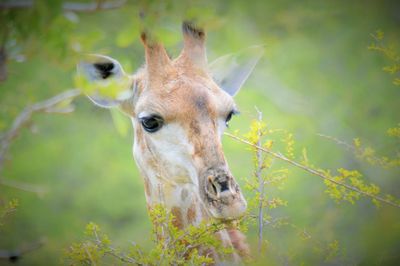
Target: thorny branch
point(312, 171)
point(68, 6)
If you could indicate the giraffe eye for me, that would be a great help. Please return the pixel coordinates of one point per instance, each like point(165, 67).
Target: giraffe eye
point(152, 123)
point(229, 117)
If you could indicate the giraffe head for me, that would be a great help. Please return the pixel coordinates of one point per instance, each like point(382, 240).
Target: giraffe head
point(179, 109)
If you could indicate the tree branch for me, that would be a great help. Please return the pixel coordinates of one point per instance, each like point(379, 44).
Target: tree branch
point(260, 186)
point(312, 171)
point(23, 119)
point(38, 190)
point(68, 6)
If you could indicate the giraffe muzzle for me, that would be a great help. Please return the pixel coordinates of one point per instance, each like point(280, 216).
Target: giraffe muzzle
point(223, 196)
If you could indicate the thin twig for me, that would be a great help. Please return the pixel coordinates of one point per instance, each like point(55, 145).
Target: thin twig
point(312, 171)
point(92, 262)
point(68, 6)
point(23, 119)
point(358, 151)
point(260, 186)
point(113, 252)
point(38, 190)
point(338, 141)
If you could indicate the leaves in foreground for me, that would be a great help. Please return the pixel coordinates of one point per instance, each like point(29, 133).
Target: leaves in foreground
point(172, 246)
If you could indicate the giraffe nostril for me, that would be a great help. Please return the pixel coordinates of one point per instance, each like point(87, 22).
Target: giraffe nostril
point(219, 186)
point(224, 186)
point(221, 195)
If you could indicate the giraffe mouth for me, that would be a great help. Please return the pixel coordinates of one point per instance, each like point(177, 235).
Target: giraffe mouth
point(222, 196)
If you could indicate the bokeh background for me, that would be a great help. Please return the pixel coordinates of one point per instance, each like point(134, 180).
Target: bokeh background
point(317, 76)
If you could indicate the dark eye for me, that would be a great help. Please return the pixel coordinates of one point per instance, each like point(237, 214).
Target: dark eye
point(229, 117)
point(152, 123)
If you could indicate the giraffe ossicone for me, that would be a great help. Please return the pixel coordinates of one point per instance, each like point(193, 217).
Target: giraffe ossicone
point(179, 109)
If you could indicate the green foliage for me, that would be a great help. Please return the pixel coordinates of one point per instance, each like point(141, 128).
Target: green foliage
point(22, 30)
point(346, 185)
point(7, 209)
point(389, 52)
point(95, 248)
point(264, 175)
point(172, 246)
point(368, 153)
point(394, 131)
point(353, 178)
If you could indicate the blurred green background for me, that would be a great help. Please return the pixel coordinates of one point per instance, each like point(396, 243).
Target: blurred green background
point(317, 76)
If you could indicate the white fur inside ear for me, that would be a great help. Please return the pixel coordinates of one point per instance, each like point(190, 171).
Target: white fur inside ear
point(100, 67)
point(103, 74)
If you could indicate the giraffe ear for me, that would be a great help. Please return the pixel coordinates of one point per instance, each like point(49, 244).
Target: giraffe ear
point(232, 70)
point(104, 81)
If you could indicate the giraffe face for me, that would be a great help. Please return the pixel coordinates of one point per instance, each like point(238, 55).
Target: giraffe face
point(178, 139)
point(179, 109)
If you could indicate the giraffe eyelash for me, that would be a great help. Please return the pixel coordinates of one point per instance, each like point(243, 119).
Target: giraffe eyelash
point(230, 115)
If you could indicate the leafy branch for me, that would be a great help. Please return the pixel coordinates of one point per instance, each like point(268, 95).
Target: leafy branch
point(260, 180)
point(172, 246)
point(389, 52)
point(368, 153)
point(317, 172)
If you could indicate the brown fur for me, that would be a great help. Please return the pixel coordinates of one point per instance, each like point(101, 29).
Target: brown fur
point(178, 219)
point(191, 214)
point(238, 241)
